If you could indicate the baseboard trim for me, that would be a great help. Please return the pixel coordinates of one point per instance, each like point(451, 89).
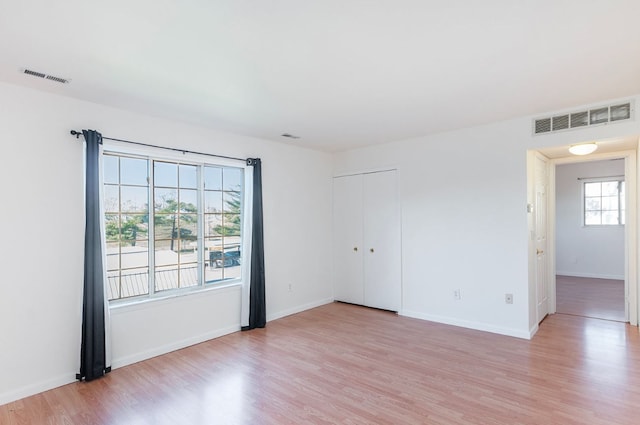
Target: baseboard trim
point(478, 326)
point(158, 351)
point(591, 275)
point(178, 345)
point(298, 309)
point(533, 330)
point(69, 378)
point(38, 387)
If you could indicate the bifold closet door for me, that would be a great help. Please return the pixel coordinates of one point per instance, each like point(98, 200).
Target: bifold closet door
point(348, 281)
point(366, 242)
point(382, 241)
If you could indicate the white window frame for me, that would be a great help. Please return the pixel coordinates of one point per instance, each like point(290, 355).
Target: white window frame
point(622, 209)
point(158, 154)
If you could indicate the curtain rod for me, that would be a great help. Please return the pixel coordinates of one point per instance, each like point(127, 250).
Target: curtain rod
point(184, 151)
point(601, 177)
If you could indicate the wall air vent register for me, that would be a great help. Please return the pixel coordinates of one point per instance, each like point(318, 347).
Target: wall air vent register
point(573, 120)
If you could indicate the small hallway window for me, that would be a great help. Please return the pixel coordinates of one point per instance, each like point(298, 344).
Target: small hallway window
point(604, 202)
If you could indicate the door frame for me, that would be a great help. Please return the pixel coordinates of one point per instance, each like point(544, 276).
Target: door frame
point(630, 231)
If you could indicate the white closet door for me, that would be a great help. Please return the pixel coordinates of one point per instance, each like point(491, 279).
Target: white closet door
point(347, 240)
point(382, 241)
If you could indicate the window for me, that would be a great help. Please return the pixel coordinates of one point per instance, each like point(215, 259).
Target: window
point(189, 238)
point(604, 202)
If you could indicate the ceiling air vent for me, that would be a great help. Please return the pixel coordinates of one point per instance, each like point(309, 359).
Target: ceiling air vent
point(543, 125)
point(561, 122)
point(579, 119)
point(290, 136)
point(46, 76)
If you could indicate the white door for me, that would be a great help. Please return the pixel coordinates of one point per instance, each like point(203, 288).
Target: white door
point(540, 213)
point(382, 241)
point(347, 239)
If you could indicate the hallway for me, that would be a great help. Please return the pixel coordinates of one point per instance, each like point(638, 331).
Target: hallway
point(596, 298)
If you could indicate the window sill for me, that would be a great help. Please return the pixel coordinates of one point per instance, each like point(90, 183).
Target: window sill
point(141, 302)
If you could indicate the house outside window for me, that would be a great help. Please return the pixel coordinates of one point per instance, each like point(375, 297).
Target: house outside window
point(170, 226)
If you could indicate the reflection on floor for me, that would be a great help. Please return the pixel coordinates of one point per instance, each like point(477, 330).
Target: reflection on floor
point(344, 364)
point(598, 298)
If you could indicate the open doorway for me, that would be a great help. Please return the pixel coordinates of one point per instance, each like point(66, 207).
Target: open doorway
point(542, 280)
point(590, 239)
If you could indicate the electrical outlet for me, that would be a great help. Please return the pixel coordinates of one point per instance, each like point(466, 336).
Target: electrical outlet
point(508, 298)
point(457, 295)
point(290, 287)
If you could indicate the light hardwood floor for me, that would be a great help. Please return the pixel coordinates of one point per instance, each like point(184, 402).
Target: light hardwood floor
point(343, 364)
point(598, 298)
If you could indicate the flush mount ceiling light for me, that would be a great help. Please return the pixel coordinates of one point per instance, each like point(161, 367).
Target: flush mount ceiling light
point(583, 148)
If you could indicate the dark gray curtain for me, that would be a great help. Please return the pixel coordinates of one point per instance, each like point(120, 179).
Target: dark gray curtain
point(257, 304)
point(93, 350)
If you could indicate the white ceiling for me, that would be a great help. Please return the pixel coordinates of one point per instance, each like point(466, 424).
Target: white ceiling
point(338, 73)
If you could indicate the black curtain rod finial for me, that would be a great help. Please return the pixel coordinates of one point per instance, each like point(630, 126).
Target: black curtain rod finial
point(76, 133)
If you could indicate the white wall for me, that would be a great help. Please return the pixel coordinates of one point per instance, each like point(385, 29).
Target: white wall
point(41, 253)
point(596, 251)
point(464, 198)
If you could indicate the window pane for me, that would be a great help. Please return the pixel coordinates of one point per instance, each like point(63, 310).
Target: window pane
point(188, 176)
point(232, 202)
point(232, 178)
point(591, 218)
point(164, 255)
point(111, 198)
point(231, 225)
point(188, 275)
point(134, 198)
point(113, 256)
point(110, 169)
point(166, 200)
point(610, 203)
point(130, 283)
point(232, 260)
point(592, 204)
point(610, 188)
point(232, 272)
point(112, 227)
point(592, 189)
point(212, 178)
point(212, 274)
point(133, 171)
point(134, 282)
point(610, 217)
point(166, 226)
point(113, 285)
point(212, 202)
point(134, 256)
point(133, 229)
point(188, 224)
point(188, 200)
point(166, 278)
point(188, 251)
point(213, 225)
point(165, 174)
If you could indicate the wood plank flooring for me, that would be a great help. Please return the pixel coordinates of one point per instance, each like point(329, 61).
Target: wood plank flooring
point(344, 364)
point(598, 298)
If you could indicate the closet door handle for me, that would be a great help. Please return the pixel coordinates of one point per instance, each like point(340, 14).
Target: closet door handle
point(355, 249)
point(371, 250)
